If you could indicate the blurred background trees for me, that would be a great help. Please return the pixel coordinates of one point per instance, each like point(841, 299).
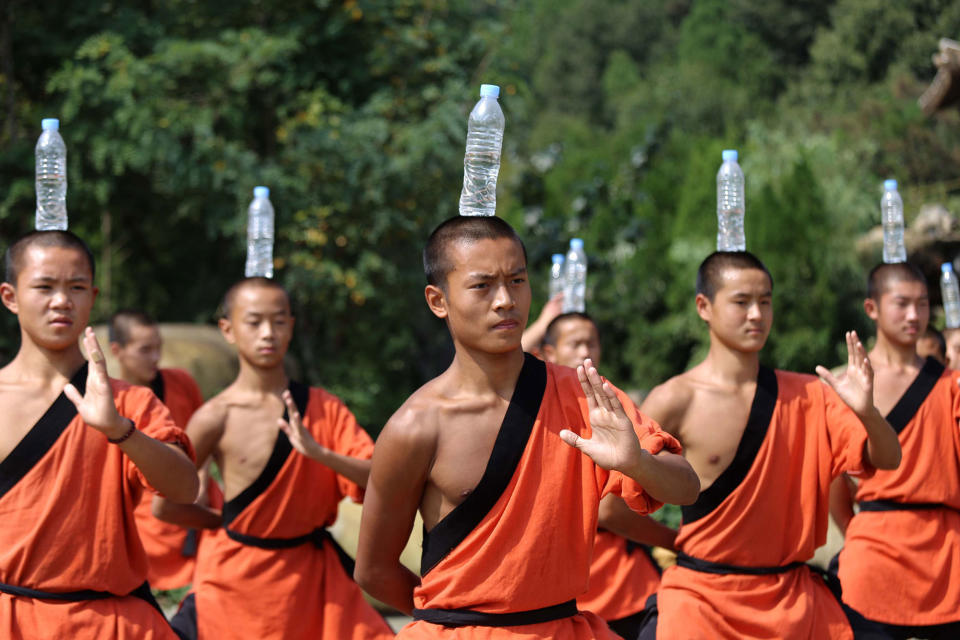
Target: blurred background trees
point(354, 113)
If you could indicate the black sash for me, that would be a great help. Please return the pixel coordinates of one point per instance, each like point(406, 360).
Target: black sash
point(83, 595)
point(892, 505)
point(915, 395)
point(317, 538)
point(470, 618)
point(507, 450)
point(761, 412)
point(281, 451)
point(159, 388)
point(706, 566)
point(646, 550)
point(41, 438)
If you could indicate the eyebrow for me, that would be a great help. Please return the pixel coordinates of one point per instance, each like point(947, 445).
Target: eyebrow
point(53, 279)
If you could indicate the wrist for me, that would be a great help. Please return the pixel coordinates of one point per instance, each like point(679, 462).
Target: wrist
point(637, 468)
point(120, 431)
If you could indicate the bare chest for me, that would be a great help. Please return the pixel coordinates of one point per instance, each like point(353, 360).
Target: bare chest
point(21, 411)
point(889, 387)
point(712, 429)
point(248, 440)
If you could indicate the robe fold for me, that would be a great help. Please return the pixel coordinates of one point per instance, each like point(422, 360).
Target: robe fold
point(518, 548)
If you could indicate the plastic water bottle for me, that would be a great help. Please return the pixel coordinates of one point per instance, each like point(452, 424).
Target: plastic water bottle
point(891, 213)
point(260, 234)
point(950, 290)
point(575, 278)
point(51, 178)
point(556, 275)
point(730, 204)
point(481, 163)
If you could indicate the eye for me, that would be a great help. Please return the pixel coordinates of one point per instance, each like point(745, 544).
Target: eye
point(519, 280)
point(479, 285)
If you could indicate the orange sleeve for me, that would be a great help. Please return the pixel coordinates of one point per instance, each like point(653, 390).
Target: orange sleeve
point(847, 436)
point(348, 439)
point(152, 418)
point(653, 439)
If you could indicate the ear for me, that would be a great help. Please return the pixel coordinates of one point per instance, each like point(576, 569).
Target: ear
point(549, 352)
point(872, 309)
point(704, 307)
point(8, 294)
point(115, 349)
point(436, 300)
point(226, 330)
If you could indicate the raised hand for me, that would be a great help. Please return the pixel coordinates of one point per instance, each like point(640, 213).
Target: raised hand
point(301, 439)
point(855, 385)
point(613, 444)
point(96, 405)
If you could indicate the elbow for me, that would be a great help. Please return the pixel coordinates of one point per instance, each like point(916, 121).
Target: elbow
point(690, 488)
point(160, 508)
point(185, 492)
point(891, 461)
point(363, 576)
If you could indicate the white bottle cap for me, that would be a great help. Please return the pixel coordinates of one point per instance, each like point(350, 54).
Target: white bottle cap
point(490, 90)
point(261, 192)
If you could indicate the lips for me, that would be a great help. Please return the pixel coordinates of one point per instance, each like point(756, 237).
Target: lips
point(61, 322)
point(506, 324)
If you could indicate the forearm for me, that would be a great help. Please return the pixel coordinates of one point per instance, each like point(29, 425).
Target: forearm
point(616, 517)
point(355, 470)
point(392, 584)
point(841, 503)
point(165, 466)
point(666, 477)
point(883, 445)
point(190, 516)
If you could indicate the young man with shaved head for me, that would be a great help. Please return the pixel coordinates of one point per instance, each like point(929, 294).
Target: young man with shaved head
point(766, 445)
point(901, 556)
point(136, 343)
point(623, 573)
point(288, 454)
point(77, 451)
point(507, 459)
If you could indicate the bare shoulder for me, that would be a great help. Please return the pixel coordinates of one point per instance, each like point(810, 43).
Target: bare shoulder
point(211, 417)
point(416, 423)
point(667, 403)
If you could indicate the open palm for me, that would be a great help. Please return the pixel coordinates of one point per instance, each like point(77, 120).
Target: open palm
point(855, 384)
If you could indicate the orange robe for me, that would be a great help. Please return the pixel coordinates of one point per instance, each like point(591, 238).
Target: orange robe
point(67, 498)
point(300, 590)
point(622, 577)
point(901, 566)
point(522, 540)
point(769, 508)
point(170, 548)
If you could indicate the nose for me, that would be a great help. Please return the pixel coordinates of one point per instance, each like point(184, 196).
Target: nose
point(60, 300)
point(912, 313)
point(266, 329)
point(503, 299)
point(753, 312)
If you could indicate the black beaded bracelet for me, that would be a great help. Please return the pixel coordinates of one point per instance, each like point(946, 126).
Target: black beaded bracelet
point(124, 437)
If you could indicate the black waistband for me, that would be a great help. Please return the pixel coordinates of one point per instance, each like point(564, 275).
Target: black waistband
point(470, 618)
point(83, 595)
point(705, 566)
point(892, 505)
point(317, 538)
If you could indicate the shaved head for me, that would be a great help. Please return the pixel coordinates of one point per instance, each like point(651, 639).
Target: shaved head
point(461, 229)
point(13, 260)
point(711, 270)
point(257, 281)
point(122, 323)
point(883, 275)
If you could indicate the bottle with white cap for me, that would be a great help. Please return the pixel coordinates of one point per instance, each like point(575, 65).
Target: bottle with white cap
point(730, 204)
point(950, 290)
point(556, 275)
point(51, 177)
point(575, 278)
point(481, 162)
point(260, 235)
point(891, 214)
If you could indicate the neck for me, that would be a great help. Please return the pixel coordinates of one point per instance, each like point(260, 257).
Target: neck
point(127, 376)
point(50, 366)
point(893, 355)
point(482, 372)
point(266, 380)
point(731, 366)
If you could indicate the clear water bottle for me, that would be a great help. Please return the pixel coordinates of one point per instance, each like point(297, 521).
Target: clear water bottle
point(891, 213)
point(260, 235)
point(481, 163)
point(575, 278)
point(556, 275)
point(51, 177)
point(950, 290)
point(730, 204)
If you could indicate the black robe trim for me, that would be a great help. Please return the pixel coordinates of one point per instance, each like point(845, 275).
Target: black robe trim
point(761, 412)
point(281, 451)
point(41, 438)
point(159, 386)
point(908, 405)
point(507, 450)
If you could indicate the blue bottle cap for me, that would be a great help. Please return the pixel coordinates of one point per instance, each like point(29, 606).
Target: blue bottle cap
point(490, 90)
point(557, 258)
point(946, 266)
point(889, 185)
point(576, 243)
point(261, 192)
point(50, 124)
point(729, 155)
